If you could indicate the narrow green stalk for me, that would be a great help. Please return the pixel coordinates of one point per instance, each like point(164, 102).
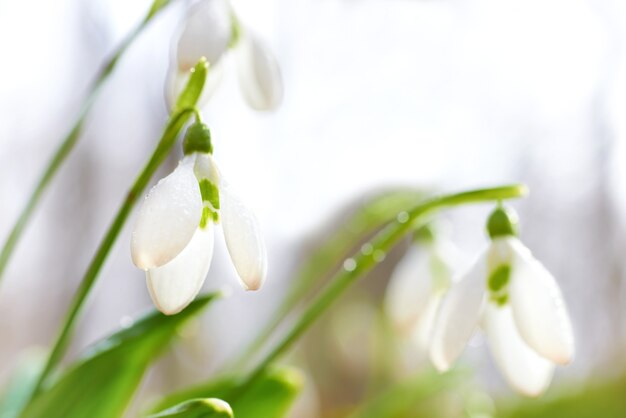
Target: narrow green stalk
point(70, 140)
point(184, 110)
point(373, 215)
point(361, 263)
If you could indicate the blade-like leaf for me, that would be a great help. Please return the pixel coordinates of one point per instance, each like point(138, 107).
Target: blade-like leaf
point(104, 381)
point(270, 396)
point(198, 408)
point(21, 384)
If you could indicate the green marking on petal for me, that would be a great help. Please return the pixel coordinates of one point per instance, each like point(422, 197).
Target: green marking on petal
point(235, 31)
point(500, 300)
point(206, 213)
point(210, 193)
point(498, 284)
point(440, 273)
point(499, 278)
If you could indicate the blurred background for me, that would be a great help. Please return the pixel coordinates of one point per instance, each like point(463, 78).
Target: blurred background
point(379, 95)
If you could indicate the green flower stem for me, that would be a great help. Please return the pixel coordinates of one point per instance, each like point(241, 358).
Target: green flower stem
point(172, 130)
point(68, 143)
point(361, 263)
point(181, 115)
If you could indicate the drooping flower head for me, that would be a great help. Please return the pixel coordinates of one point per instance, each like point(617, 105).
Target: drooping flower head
point(173, 236)
point(419, 283)
point(518, 304)
point(210, 29)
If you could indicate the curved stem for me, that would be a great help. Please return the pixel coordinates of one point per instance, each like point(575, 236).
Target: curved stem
point(70, 140)
point(361, 263)
point(172, 130)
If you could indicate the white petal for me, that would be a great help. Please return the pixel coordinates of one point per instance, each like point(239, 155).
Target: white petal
point(205, 32)
point(539, 309)
point(499, 253)
point(173, 286)
point(244, 240)
point(177, 79)
point(525, 370)
point(259, 75)
point(423, 330)
point(168, 218)
point(409, 288)
point(206, 168)
point(458, 316)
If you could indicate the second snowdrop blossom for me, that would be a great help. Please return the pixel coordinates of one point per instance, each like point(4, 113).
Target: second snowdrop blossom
point(518, 304)
point(419, 283)
point(211, 30)
point(173, 236)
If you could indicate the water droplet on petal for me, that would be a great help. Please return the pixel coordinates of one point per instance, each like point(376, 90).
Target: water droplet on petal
point(349, 264)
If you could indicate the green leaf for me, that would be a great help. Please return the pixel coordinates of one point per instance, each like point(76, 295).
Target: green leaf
point(21, 384)
point(156, 7)
point(198, 408)
point(102, 384)
point(193, 89)
point(398, 399)
point(595, 399)
point(270, 396)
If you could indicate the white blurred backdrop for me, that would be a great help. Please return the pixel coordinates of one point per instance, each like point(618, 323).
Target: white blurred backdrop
point(378, 93)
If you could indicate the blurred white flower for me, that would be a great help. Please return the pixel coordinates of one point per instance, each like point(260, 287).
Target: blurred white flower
point(417, 286)
point(259, 75)
point(521, 310)
point(209, 30)
point(173, 236)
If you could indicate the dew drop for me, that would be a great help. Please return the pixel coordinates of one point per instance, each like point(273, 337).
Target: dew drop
point(402, 217)
point(126, 321)
point(367, 248)
point(349, 264)
point(379, 256)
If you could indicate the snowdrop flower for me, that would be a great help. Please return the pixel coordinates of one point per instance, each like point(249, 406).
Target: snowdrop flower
point(419, 283)
point(519, 306)
point(210, 30)
point(173, 235)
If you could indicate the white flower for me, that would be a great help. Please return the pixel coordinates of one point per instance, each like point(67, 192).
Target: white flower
point(521, 310)
point(173, 236)
point(206, 32)
point(259, 75)
point(209, 30)
point(417, 286)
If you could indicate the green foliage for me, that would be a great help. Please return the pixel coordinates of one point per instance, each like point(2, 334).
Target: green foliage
point(156, 7)
point(21, 384)
point(102, 384)
point(400, 398)
point(198, 408)
point(604, 400)
point(269, 396)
